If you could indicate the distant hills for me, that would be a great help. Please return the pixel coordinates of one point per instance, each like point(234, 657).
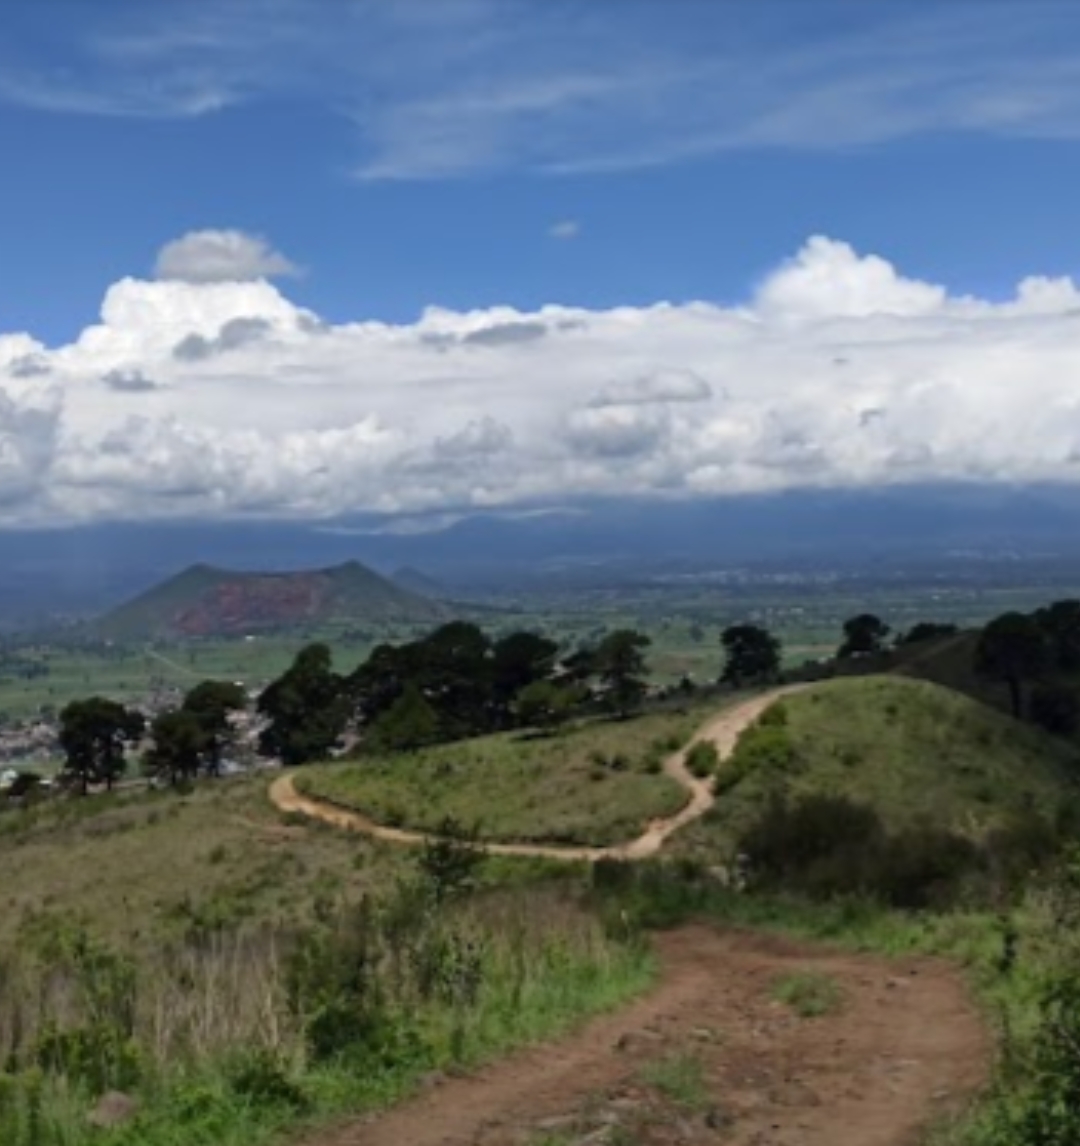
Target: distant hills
point(204, 601)
point(414, 581)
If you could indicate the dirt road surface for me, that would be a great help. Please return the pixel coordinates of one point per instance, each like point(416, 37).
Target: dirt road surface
point(723, 730)
point(711, 1057)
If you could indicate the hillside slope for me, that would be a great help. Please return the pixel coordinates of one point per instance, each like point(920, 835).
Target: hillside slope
point(205, 601)
point(913, 750)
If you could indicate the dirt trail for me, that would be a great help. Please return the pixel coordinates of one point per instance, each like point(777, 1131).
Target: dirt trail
point(722, 730)
point(904, 1048)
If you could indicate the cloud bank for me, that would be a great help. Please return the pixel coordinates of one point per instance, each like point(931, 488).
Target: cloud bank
point(222, 399)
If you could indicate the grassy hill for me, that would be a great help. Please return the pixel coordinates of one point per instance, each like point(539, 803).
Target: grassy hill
point(596, 784)
point(150, 866)
point(204, 601)
point(913, 750)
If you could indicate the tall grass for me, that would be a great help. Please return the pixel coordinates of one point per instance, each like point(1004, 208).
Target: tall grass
point(226, 1040)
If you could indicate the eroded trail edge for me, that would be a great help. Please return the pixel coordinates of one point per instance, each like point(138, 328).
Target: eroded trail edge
point(722, 730)
point(903, 1048)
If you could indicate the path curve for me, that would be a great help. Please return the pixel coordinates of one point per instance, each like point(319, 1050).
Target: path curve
point(906, 1047)
point(722, 730)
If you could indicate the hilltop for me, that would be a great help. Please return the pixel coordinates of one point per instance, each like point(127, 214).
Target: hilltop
point(204, 601)
point(914, 751)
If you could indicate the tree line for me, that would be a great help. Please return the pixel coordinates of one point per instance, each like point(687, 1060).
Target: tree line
point(457, 681)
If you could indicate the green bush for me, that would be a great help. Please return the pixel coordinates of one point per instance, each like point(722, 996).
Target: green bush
point(827, 846)
point(765, 747)
point(702, 759)
point(260, 1076)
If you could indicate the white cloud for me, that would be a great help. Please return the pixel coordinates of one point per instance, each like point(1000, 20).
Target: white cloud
point(220, 256)
point(565, 230)
point(223, 399)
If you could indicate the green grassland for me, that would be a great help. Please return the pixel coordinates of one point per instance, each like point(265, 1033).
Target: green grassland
point(912, 750)
point(153, 866)
point(127, 672)
point(598, 783)
point(184, 948)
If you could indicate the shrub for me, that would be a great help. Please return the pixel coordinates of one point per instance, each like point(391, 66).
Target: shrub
point(775, 716)
point(827, 846)
point(1055, 708)
point(260, 1077)
point(702, 759)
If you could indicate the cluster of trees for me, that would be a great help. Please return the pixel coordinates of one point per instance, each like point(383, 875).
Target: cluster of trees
point(97, 733)
point(1031, 652)
point(751, 655)
point(455, 682)
point(866, 634)
point(193, 739)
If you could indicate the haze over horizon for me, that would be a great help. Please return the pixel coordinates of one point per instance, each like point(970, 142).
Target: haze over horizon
point(406, 262)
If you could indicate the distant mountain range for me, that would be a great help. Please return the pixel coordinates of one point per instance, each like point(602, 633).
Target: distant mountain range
point(413, 581)
point(53, 576)
point(204, 601)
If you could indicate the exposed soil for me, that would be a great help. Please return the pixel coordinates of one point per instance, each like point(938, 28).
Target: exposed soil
point(904, 1048)
point(722, 730)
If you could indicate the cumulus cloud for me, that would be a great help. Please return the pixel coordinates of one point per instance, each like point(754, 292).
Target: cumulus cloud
point(224, 399)
point(128, 381)
point(233, 334)
point(663, 386)
point(220, 256)
point(506, 334)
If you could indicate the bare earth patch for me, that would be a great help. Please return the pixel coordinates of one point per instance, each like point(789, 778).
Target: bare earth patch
point(712, 1056)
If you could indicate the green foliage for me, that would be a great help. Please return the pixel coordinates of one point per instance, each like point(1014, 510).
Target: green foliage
point(1056, 708)
point(926, 631)
point(178, 746)
point(911, 751)
point(764, 750)
point(810, 994)
point(409, 723)
point(619, 661)
point(702, 759)
point(306, 707)
point(1012, 648)
point(594, 783)
point(94, 735)
point(863, 635)
point(450, 861)
point(99, 1055)
point(1060, 622)
point(261, 1077)
point(680, 1078)
point(210, 704)
point(824, 846)
point(544, 704)
point(752, 655)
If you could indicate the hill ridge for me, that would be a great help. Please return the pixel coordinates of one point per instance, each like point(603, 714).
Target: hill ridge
point(205, 600)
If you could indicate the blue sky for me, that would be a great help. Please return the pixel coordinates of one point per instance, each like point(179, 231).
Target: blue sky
point(312, 258)
point(407, 152)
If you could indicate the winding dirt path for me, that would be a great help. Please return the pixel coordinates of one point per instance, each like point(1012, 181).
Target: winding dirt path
point(904, 1048)
point(723, 730)
point(709, 1055)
